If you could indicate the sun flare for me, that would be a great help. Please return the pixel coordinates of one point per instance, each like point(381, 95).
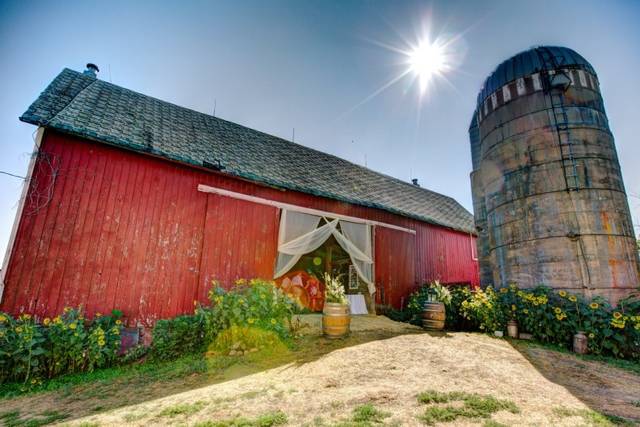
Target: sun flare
point(426, 61)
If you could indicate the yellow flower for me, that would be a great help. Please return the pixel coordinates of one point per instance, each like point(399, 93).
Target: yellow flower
point(1, 333)
point(98, 315)
point(67, 309)
point(3, 318)
point(504, 290)
point(618, 323)
point(101, 343)
point(560, 316)
point(594, 305)
point(558, 310)
point(262, 296)
point(617, 315)
point(242, 301)
point(57, 320)
point(118, 322)
point(273, 321)
point(592, 335)
point(573, 298)
point(26, 316)
point(73, 325)
point(562, 294)
point(525, 311)
point(513, 307)
point(251, 321)
point(46, 321)
point(19, 329)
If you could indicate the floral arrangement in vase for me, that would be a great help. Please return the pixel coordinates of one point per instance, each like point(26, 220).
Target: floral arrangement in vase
point(334, 290)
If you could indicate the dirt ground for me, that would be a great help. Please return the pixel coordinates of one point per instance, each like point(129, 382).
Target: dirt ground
point(384, 363)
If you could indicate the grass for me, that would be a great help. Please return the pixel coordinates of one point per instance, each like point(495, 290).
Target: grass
point(13, 419)
point(627, 365)
point(265, 420)
point(182, 409)
point(593, 418)
point(365, 416)
point(474, 406)
point(137, 373)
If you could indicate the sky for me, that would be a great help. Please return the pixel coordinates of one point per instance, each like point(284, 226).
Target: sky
point(318, 67)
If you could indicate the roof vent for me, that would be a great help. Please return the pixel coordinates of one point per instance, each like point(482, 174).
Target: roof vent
point(414, 181)
point(92, 70)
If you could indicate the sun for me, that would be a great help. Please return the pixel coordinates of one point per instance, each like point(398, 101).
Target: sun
point(426, 61)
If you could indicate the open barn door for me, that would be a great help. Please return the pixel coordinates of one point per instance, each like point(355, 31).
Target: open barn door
point(395, 270)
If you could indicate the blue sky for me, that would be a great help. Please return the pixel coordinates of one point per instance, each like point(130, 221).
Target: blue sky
point(308, 65)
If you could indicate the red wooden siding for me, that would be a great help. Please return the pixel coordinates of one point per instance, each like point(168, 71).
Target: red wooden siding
point(130, 231)
point(395, 270)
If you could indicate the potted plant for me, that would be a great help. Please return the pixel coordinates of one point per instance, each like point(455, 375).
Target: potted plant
point(336, 316)
point(434, 312)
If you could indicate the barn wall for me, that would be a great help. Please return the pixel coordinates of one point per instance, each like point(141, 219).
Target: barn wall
point(129, 231)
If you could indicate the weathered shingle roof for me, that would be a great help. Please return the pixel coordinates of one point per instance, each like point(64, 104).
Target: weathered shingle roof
point(91, 108)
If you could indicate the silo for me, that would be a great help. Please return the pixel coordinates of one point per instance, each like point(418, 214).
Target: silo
point(549, 201)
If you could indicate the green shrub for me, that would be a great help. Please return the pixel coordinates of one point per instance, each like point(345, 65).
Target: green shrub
point(482, 308)
point(555, 316)
point(175, 337)
point(32, 351)
point(256, 303)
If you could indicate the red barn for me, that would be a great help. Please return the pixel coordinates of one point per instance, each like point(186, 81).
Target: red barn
point(138, 204)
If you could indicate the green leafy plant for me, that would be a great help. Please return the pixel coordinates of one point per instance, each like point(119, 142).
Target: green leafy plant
point(33, 351)
point(483, 308)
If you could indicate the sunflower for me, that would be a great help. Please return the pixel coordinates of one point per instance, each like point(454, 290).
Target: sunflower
point(562, 294)
point(617, 314)
point(594, 305)
point(46, 321)
point(592, 335)
point(558, 310)
point(573, 298)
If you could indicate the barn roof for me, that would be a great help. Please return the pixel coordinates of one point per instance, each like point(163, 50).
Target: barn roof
point(84, 106)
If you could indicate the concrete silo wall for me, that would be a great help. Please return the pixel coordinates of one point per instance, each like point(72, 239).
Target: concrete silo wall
point(549, 200)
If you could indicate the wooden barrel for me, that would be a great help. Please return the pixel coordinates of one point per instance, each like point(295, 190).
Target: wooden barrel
point(336, 319)
point(433, 316)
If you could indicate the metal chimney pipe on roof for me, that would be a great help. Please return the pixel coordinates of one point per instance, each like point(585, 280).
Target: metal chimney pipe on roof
point(92, 70)
point(414, 181)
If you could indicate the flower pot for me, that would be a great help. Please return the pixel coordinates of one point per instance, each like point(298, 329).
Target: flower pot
point(512, 328)
point(336, 320)
point(433, 316)
point(580, 343)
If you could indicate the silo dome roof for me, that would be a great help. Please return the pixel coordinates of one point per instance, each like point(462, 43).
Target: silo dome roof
point(529, 62)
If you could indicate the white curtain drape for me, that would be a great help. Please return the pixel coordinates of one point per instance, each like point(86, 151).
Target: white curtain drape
point(299, 234)
point(356, 241)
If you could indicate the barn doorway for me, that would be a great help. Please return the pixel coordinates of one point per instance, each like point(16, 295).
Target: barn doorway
point(310, 246)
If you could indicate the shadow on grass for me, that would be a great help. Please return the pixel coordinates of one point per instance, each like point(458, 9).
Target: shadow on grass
point(79, 395)
point(610, 387)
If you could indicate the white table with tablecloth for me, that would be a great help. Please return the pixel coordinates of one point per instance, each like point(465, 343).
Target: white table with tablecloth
point(357, 304)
